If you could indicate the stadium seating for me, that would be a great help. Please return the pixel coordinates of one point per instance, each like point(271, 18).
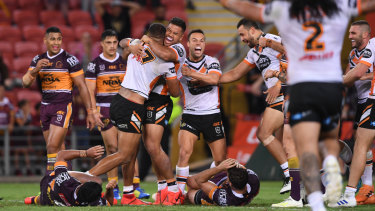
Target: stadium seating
point(79, 17)
point(74, 4)
point(213, 48)
point(174, 4)
point(27, 48)
point(20, 66)
point(4, 19)
point(177, 13)
point(79, 30)
point(52, 18)
point(6, 51)
point(99, 22)
point(25, 18)
point(35, 5)
point(67, 33)
point(10, 34)
point(139, 21)
point(11, 4)
point(33, 33)
point(33, 96)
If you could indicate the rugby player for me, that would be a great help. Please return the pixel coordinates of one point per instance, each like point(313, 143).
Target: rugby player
point(228, 184)
point(312, 32)
point(71, 188)
point(265, 59)
point(127, 110)
point(201, 112)
point(56, 71)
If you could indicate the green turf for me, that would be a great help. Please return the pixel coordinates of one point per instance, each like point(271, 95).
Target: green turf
point(12, 195)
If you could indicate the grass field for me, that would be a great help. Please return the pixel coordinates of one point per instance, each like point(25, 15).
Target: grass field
point(12, 195)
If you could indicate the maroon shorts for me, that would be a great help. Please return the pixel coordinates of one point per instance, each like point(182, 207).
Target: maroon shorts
point(104, 111)
point(56, 114)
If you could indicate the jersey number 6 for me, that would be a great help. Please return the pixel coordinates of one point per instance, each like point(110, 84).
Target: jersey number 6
point(312, 42)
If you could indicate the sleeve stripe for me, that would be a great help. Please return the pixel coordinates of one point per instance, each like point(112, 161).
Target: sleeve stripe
point(171, 78)
point(365, 63)
point(248, 63)
point(90, 79)
point(61, 163)
point(75, 74)
point(212, 191)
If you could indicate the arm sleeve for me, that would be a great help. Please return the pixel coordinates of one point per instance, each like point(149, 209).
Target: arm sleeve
point(351, 7)
point(180, 52)
point(33, 62)
point(368, 56)
point(170, 71)
point(214, 67)
point(249, 59)
point(91, 72)
point(75, 68)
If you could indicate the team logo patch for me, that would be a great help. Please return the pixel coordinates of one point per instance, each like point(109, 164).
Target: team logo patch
point(59, 117)
point(263, 62)
point(214, 65)
point(218, 130)
point(35, 58)
point(72, 61)
point(149, 114)
point(179, 50)
point(172, 70)
point(59, 64)
point(91, 67)
point(367, 53)
point(102, 67)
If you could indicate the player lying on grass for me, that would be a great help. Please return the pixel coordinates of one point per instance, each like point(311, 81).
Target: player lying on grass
point(228, 184)
point(72, 188)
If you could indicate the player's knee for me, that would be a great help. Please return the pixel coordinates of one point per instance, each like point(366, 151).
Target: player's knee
point(52, 147)
point(152, 149)
point(185, 153)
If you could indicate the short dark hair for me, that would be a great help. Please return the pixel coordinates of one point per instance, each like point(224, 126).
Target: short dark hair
point(238, 177)
point(156, 30)
point(195, 31)
point(247, 24)
point(53, 29)
point(108, 33)
point(178, 22)
point(22, 102)
point(316, 8)
point(89, 192)
point(362, 23)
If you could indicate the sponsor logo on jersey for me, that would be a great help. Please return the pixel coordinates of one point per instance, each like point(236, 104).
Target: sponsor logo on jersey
point(263, 62)
point(179, 50)
point(367, 53)
point(222, 197)
point(113, 81)
point(49, 79)
point(72, 61)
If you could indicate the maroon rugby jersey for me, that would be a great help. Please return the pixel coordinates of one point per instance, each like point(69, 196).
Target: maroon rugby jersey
point(55, 80)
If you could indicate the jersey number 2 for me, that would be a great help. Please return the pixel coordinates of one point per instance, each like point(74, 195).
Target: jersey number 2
point(149, 57)
point(312, 42)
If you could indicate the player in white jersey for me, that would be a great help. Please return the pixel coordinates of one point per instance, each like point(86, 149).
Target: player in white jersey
point(312, 32)
point(366, 127)
point(201, 113)
point(359, 34)
point(159, 108)
point(127, 109)
point(264, 58)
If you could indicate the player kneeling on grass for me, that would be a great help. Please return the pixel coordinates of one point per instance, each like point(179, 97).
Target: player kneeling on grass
point(228, 184)
point(71, 188)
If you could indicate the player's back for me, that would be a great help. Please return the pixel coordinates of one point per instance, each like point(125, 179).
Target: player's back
point(313, 45)
point(143, 72)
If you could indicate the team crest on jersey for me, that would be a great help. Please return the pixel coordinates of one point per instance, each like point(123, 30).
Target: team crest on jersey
point(35, 58)
point(59, 64)
point(91, 67)
point(179, 50)
point(263, 62)
point(102, 67)
point(367, 53)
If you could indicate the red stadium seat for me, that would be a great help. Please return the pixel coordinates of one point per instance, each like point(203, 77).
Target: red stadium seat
point(4, 19)
point(12, 96)
point(33, 33)
point(75, 4)
point(73, 47)
point(6, 47)
point(33, 96)
point(139, 21)
point(20, 66)
point(213, 48)
point(174, 4)
point(28, 48)
point(11, 4)
point(67, 33)
point(99, 22)
point(79, 17)
point(79, 30)
point(35, 5)
point(10, 34)
point(8, 59)
point(25, 18)
point(177, 13)
point(52, 18)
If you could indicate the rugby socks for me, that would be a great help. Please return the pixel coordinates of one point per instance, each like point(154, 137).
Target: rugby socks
point(136, 182)
point(113, 178)
point(350, 191)
point(182, 174)
point(315, 200)
point(172, 185)
point(285, 169)
point(128, 190)
point(294, 178)
point(367, 174)
point(162, 184)
point(51, 160)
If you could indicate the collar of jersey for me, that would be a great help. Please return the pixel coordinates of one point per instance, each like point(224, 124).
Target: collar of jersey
point(51, 57)
point(105, 59)
point(238, 195)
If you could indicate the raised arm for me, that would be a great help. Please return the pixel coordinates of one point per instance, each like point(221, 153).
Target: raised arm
point(236, 73)
point(247, 9)
point(161, 51)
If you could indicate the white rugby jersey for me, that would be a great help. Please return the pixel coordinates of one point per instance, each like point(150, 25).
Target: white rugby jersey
point(143, 73)
point(265, 59)
point(313, 47)
point(201, 100)
point(179, 49)
point(362, 86)
point(368, 58)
